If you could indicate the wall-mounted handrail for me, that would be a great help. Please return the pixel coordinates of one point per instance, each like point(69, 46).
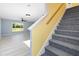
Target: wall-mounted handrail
point(54, 14)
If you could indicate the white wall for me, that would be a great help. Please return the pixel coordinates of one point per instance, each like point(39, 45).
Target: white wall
point(0, 28)
point(6, 27)
point(15, 11)
point(69, 5)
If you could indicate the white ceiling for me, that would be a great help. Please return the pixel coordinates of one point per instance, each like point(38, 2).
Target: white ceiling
point(16, 11)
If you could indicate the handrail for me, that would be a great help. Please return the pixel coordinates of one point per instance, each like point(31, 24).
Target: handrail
point(54, 14)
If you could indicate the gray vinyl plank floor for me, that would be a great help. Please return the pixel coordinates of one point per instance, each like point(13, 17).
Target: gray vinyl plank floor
point(14, 45)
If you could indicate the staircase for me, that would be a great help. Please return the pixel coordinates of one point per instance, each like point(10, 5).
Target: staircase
point(65, 41)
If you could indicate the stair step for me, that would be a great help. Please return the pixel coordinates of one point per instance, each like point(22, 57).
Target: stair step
point(71, 37)
point(56, 51)
point(70, 19)
point(48, 52)
point(71, 15)
point(70, 48)
point(67, 30)
point(72, 10)
point(66, 39)
point(74, 28)
point(69, 22)
point(70, 26)
point(74, 34)
point(45, 54)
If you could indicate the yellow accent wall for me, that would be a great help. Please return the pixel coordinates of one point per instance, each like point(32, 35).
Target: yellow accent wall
point(41, 31)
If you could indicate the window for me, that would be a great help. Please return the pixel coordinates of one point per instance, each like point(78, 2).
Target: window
point(17, 27)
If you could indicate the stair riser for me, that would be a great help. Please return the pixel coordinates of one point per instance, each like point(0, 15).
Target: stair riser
point(72, 41)
point(71, 51)
point(68, 28)
point(70, 25)
point(49, 52)
point(71, 14)
point(71, 19)
point(69, 22)
point(73, 10)
point(45, 54)
point(75, 34)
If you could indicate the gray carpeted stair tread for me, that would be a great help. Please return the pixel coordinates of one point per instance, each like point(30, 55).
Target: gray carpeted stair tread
point(45, 54)
point(67, 30)
point(64, 48)
point(70, 19)
point(71, 15)
point(71, 46)
point(69, 25)
point(74, 34)
point(72, 10)
point(66, 39)
point(57, 51)
point(71, 22)
point(74, 27)
point(48, 52)
point(66, 36)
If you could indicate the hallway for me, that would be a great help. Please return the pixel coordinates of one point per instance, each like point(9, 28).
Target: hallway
point(14, 45)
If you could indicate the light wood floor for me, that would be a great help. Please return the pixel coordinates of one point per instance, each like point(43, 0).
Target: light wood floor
point(14, 45)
